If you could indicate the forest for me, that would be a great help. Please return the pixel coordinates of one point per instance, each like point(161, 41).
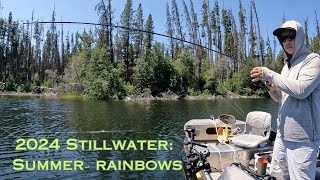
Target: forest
point(203, 53)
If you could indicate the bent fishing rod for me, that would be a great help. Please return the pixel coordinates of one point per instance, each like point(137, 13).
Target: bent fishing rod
point(126, 28)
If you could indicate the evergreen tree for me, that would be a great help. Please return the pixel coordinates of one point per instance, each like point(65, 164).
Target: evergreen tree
point(226, 22)
point(67, 53)
point(2, 47)
point(177, 22)
point(260, 39)
point(252, 37)
point(242, 34)
point(149, 35)
point(138, 24)
point(306, 29)
point(215, 25)
point(105, 30)
point(206, 24)
point(62, 50)
point(46, 55)
point(53, 40)
point(195, 39)
point(188, 19)
point(170, 31)
point(125, 38)
point(56, 57)
point(38, 38)
point(269, 56)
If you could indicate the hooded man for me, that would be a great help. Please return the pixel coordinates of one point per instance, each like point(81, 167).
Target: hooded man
point(297, 89)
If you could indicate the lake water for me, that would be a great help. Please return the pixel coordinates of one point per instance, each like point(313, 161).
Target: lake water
point(31, 122)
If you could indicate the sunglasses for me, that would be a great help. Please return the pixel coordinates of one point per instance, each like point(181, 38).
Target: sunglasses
point(289, 37)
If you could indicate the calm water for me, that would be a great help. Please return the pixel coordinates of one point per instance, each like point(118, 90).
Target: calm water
point(27, 118)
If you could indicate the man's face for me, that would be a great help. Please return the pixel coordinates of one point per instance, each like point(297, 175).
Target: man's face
point(287, 39)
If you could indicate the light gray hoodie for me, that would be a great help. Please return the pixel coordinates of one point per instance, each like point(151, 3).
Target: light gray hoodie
point(298, 92)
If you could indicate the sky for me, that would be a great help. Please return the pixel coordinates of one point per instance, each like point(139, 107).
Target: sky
point(270, 12)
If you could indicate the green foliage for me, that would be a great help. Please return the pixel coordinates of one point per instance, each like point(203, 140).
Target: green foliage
point(144, 71)
point(27, 87)
point(210, 79)
point(36, 80)
point(222, 89)
point(194, 92)
point(10, 84)
point(131, 90)
point(24, 87)
point(102, 81)
point(155, 72)
point(279, 62)
point(48, 83)
point(107, 85)
point(75, 71)
point(19, 88)
point(183, 67)
point(70, 95)
point(148, 36)
point(207, 92)
point(237, 83)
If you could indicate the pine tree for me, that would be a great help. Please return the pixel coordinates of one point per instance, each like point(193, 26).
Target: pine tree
point(234, 45)
point(196, 49)
point(317, 37)
point(176, 19)
point(269, 56)
point(56, 55)
point(125, 38)
point(38, 38)
point(306, 29)
point(138, 35)
point(148, 36)
point(67, 49)
point(2, 47)
point(206, 24)
point(170, 31)
point(215, 25)
point(53, 36)
point(187, 18)
point(252, 38)
point(63, 57)
point(242, 34)
point(227, 45)
point(260, 39)
point(46, 55)
point(105, 30)
point(8, 48)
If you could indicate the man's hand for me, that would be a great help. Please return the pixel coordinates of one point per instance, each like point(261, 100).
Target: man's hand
point(256, 74)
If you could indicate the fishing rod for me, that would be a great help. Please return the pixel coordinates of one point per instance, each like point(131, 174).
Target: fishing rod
point(127, 28)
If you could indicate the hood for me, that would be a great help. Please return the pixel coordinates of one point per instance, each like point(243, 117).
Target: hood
point(299, 41)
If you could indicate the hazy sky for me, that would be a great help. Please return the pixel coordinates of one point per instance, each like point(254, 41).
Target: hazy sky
point(270, 12)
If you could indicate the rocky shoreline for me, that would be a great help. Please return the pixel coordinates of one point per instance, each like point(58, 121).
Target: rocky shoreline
point(15, 93)
point(142, 97)
point(228, 95)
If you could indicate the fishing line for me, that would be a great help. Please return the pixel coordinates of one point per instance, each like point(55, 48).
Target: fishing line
point(241, 113)
point(104, 131)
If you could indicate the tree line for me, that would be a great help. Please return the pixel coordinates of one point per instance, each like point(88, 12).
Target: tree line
point(205, 52)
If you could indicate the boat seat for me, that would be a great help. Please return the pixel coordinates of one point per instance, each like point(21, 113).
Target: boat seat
point(257, 130)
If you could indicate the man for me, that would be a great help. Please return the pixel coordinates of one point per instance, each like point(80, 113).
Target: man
point(297, 90)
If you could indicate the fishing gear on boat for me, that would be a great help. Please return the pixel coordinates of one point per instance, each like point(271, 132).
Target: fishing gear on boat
point(196, 161)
